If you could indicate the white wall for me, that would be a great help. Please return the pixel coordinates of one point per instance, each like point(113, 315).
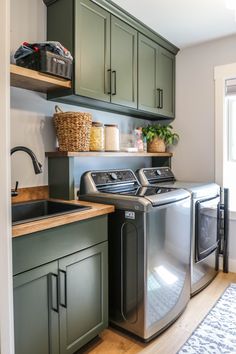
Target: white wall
point(194, 156)
point(195, 120)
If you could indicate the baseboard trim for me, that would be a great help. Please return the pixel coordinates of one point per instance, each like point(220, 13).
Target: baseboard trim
point(232, 265)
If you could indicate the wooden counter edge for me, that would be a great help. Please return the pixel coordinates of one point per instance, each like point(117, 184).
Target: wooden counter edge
point(55, 221)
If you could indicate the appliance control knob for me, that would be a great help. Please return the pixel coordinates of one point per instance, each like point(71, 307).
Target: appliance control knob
point(113, 176)
point(158, 172)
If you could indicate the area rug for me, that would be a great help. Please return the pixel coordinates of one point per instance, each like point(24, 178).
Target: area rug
point(216, 334)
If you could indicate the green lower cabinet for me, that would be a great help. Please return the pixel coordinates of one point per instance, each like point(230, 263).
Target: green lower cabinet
point(36, 323)
point(83, 297)
point(61, 306)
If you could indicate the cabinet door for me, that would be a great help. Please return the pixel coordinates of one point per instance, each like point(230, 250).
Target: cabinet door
point(36, 311)
point(123, 63)
point(148, 97)
point(83, 297)
point(166, 82)
point(92, 51)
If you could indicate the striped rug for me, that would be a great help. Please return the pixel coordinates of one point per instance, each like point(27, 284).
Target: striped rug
point(216, 334)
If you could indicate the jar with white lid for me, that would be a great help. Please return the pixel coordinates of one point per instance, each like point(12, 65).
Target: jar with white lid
point(112, 137)
point(97, 140)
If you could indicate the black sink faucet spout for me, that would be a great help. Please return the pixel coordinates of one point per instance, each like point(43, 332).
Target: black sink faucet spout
point(37, 165)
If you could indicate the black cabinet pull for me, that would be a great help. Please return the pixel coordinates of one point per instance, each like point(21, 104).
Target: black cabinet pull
point(109, 78)
point(159, 98)
point(51, 292)
point(114, 82)
point(63, 288)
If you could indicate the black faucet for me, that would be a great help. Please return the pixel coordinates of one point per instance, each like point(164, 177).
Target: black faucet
point(37, 165)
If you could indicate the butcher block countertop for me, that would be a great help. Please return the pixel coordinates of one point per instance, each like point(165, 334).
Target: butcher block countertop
point(54, 221)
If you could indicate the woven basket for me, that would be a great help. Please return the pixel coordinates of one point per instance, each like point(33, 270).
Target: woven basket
point(72, 129)
point(156, 145)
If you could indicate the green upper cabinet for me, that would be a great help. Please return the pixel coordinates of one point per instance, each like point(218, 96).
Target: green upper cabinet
point(166, 82)
point(156, 73)
point(147, 73)
point(123, 63)
point(105, 56)
point(92, 50)
point(120, 65)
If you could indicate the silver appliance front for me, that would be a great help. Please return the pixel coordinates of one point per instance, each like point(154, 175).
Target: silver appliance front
point(205, 218)
point(167, 265)
point(150, 280)
point(205, 250)
point(149, 250)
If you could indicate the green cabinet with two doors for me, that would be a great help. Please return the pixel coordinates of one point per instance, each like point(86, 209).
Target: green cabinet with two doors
point(117, 67)
point(102, 70)
point(61, 305)
point(156, 72)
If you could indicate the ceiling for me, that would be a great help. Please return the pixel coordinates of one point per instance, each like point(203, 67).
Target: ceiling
point(184, 22)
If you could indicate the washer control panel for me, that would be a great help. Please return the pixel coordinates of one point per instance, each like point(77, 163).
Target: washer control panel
point(113, 177)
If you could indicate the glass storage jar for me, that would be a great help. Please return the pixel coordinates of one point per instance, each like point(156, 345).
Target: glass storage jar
point(97, 137)
point(112, 138)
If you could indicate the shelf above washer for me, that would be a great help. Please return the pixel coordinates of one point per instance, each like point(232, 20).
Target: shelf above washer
point(62, 168)
point(107, 154)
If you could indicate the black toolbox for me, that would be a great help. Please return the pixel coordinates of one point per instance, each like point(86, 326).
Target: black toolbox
point(48, 63)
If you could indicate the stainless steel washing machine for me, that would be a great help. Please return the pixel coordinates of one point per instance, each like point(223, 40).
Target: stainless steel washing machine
point(205, 220)
point(149, 250)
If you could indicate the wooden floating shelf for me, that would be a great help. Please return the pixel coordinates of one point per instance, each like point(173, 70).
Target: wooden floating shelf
point(108, 154)
point(36, 81)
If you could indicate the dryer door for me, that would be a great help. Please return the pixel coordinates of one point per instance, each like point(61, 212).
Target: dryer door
point(207, 226)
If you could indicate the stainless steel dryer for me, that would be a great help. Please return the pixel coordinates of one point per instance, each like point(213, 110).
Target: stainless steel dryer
point(149, 250)
point(205, 200)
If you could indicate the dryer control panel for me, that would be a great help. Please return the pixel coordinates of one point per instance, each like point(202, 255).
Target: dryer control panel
point(158, 174)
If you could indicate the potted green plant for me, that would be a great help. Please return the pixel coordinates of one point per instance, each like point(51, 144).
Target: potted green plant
point(159, 137)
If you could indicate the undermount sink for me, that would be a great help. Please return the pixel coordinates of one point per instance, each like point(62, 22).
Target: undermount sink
point(42, 209)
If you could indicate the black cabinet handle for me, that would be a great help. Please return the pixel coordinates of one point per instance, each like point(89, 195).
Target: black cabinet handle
point(114, 82)
point(159, 98)
point(52, 292)
point(109, 78)
point(63, 288)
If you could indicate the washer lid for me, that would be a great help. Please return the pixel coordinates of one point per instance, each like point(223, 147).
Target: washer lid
point(123, 185)
point(156, 195)
point(198, 190)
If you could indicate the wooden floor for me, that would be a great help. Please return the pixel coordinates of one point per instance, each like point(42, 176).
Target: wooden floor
point(113, 342)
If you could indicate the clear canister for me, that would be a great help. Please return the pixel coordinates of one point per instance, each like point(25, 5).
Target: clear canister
point(112, 137)
point(97, 137)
